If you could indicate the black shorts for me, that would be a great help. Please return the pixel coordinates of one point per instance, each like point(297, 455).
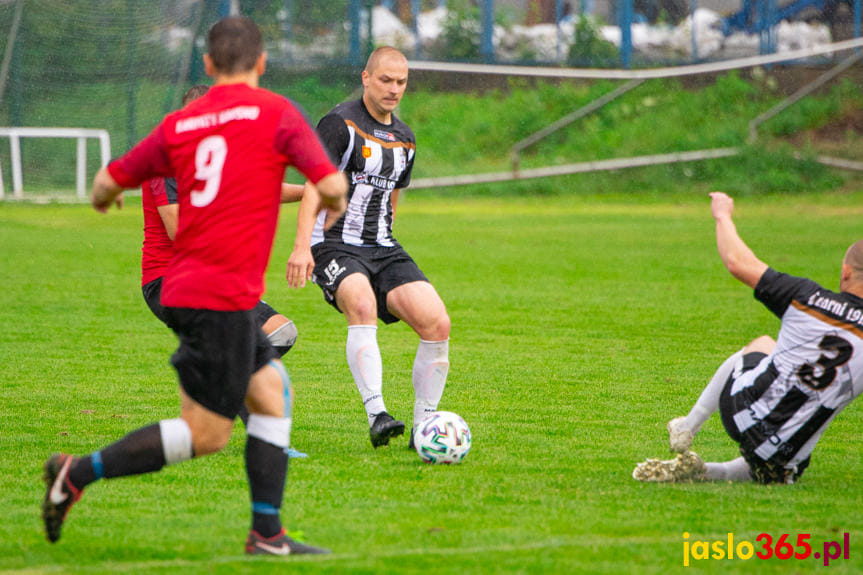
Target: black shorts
point(263, 312)
point(153, 292)
point(761, 471)
point(218, 353)
point(152, 295)
point(385, 267)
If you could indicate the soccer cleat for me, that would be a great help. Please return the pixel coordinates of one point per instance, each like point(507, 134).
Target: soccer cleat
point(679, 437)
point(60, 494)
point(279, 544)
point(411, 444)
point(685, 467)
point(385, 427)
point(294, 454)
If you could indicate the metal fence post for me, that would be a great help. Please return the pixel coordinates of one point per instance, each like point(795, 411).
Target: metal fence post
point(354, 14)
point(625, 22)
point(486, 47)
point(693, 6)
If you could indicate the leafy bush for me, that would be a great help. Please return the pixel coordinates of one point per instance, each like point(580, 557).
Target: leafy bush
point(589, 47)
point(461, 32)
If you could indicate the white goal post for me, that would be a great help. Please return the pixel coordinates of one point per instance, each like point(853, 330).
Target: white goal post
point(81, 134)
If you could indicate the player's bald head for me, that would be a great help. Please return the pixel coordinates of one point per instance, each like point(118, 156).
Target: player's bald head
point(384, 53)
point(854, 258)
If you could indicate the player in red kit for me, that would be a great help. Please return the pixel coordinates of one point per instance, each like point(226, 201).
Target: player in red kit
point(228, 151)
point(161, 213)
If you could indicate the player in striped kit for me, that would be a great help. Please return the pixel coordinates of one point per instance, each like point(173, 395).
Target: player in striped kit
point(775, 398)
point(359, 265)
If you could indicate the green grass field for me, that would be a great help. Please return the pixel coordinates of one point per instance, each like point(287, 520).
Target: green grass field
point(581, 324)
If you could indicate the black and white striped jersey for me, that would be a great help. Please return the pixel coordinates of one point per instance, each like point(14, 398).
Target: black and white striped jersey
point(377, 159)
point(784, 405)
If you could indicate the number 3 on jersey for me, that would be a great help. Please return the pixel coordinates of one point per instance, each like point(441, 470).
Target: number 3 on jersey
point(841, 352)
point(209, 161)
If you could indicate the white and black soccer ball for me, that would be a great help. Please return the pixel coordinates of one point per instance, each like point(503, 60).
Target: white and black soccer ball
point(442, 437)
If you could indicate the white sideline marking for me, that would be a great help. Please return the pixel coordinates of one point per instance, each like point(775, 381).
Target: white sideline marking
point(556, 542)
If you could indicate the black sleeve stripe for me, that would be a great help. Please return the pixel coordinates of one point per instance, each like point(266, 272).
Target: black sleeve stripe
point(171, 190)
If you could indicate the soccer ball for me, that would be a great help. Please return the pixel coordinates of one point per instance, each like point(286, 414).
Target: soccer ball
point(442, 437)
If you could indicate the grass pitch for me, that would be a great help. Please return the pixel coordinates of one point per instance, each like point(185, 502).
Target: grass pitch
point(580, 326)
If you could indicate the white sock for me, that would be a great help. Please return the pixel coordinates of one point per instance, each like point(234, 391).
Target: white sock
point(431, 366)
point(364, 359)
point(274, 430)
point(708, 401)
point(176, 440)
point(734, 470)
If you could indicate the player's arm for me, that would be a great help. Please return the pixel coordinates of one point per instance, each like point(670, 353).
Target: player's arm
point(292, 193)
point(394, 200)
point(740, 260)
point(332, 193)
point(301, 263)
point(147, 159)
point(106, 191)
point(170, 214)
point(299, 142)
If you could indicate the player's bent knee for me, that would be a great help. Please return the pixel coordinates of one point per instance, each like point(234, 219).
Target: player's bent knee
point(762, 344)
point(283, 337)
point(363, 312)
point(436, 330)
point(210, 432)
point(444, 326)
point(208, 442)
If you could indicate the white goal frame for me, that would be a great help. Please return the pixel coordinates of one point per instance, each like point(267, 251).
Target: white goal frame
point(81, 134)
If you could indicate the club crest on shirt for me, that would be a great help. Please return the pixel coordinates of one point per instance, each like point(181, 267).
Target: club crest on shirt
point(383, 135)
point(367, 152)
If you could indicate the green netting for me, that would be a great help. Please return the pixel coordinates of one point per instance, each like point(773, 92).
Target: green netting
point(117, 65)
point(109, 64)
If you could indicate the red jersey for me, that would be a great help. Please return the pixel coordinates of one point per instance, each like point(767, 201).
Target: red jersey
point(158, 248)
point(228, 151)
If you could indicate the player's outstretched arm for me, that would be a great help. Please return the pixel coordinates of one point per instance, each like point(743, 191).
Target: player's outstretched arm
point(105, 192)
point(740, 260)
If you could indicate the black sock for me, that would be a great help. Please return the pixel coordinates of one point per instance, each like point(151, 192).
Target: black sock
point(82, 474)
point(267, 469)
point(139, 452)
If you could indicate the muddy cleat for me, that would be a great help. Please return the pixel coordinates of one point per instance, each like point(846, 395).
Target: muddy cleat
point(279, 544)
point(679, 436)
point(60, 494)
point(385, 427)
point(685, 467)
